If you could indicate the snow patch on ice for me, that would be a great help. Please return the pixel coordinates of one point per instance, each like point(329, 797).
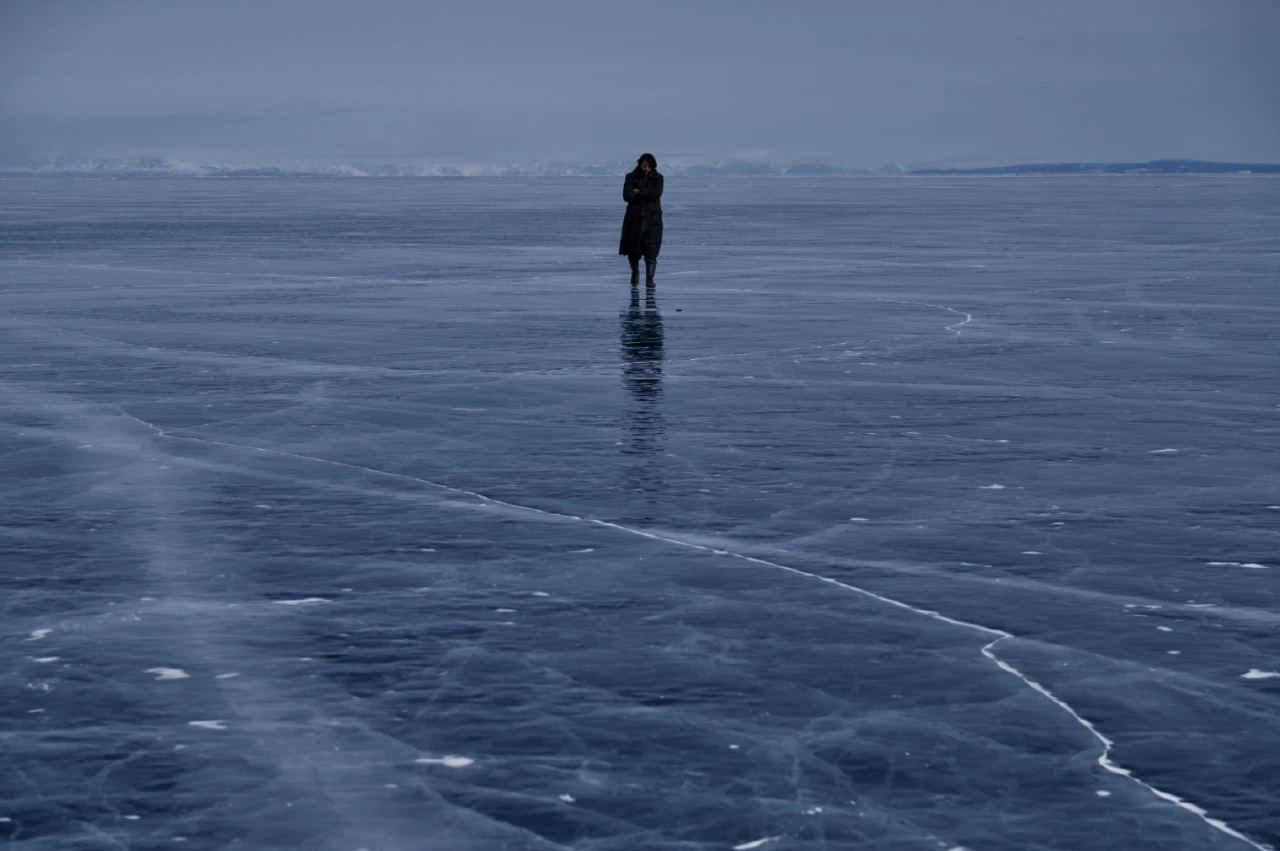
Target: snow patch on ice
point(1255, 674)
point(449, 760)
point(303, 602)
point(747, 846)
point(38, 634)
point(168, 673)
point(215, 724)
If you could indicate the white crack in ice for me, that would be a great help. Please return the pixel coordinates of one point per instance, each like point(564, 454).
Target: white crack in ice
point(1103, 760)
point(968, 317)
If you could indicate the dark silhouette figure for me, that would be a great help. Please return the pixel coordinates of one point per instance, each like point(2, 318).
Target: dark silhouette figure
point(641, 334)
point(642, 226)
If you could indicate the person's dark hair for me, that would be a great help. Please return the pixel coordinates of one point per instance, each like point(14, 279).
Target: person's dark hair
point(653, 164)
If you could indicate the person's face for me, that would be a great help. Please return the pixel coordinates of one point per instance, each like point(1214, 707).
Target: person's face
point(645, 168)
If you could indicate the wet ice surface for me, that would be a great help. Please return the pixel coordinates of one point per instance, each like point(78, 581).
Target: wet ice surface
point(343, 515)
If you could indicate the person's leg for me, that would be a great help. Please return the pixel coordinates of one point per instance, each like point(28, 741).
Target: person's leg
point(652, 245)
point(634, 260)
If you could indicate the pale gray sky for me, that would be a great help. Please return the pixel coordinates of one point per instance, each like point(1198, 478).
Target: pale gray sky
point(855, 82)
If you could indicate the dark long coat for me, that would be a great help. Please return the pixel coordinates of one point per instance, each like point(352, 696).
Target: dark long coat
point(642, 226)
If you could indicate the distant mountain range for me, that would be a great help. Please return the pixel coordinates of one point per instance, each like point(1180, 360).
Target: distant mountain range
point(164, 167)
point(1152, 167)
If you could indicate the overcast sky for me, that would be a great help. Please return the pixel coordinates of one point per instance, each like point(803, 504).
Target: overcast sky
point(853, 82)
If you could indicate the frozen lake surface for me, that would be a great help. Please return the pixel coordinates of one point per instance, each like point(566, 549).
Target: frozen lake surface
point(910, 514)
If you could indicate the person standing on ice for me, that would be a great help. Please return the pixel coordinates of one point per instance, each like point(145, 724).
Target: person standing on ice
point(642, 226)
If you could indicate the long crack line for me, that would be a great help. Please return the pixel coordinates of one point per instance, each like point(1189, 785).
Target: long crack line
point(1104, 758)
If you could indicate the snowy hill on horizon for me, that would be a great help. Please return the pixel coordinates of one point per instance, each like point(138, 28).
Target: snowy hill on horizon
point(157, 166)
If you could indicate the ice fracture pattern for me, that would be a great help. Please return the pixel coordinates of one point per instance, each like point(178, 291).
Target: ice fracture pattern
point(906, 515)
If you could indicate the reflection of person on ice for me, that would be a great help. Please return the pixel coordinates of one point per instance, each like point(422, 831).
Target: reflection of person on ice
point(642, 226)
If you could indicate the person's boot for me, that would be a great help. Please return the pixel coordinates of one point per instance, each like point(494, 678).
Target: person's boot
point(635, 271)
point(650, 266)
